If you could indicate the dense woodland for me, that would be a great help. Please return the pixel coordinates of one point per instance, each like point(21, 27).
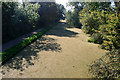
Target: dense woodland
point(22, 18)
point(101, 21)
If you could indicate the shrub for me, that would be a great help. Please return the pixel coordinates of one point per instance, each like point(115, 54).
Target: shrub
point(110, 32)
point(108, 66)
point(19, 19)
point(96, 38)
point(91, 40)
point(103, 27)
point(103, 24)
point(90, 22)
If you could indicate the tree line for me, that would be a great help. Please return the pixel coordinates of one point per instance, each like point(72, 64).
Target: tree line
point(101, 21)
point(21, 18)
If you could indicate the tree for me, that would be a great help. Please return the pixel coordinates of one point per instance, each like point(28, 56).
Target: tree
point(22, 18)
point(31, 11)
point(61, 11)
point(74, 19)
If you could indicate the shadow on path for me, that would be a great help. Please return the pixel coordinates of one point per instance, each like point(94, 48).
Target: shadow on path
point(61, 31)
point(25, 58)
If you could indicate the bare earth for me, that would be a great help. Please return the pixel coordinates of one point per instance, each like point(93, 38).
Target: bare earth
point(63, 52)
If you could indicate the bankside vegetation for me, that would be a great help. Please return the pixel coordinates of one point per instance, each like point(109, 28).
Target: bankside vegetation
point(21, 18)
point(101, 20)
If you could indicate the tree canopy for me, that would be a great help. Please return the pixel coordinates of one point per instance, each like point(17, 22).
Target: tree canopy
point(102, 22)
point(21, 18)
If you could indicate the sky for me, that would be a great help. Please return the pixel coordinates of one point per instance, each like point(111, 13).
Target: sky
point(63, 2)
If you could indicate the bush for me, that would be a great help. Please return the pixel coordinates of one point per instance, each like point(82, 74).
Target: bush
point(110, 32)
point(73, 18)
point(103, 27)
point(91, 40)
point(108, 66)
point(19, 19)
point(96, 38)
point(91, 22)
point(103, 24)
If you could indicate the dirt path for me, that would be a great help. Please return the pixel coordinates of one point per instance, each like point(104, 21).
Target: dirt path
point(61, 53)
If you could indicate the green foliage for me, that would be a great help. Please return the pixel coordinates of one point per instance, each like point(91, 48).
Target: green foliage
point(61, 11)
point(108, 66)
point(96, 38)
point(73, 16)
point(91, 40)
point(90, 21)
point(98, 20)
point(99, 5)
point(31, 11)
point(19, 19)
point(73, 19)
point(69, 17)
point(13, 50)
point(103, 25)
point(111, 32)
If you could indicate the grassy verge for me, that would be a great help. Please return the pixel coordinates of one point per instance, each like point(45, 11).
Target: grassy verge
point(7, 54)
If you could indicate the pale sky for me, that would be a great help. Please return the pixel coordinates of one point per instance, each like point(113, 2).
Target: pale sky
point(63, 2)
